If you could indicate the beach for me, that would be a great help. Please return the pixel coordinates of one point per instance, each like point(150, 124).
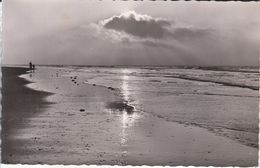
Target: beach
point(128, 116)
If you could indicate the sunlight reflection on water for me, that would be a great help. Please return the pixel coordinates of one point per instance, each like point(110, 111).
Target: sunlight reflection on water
point(127, 119)
point(124, 86)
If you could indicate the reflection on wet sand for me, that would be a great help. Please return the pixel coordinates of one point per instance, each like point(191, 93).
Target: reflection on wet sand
point(127, 119)
point(128, 114)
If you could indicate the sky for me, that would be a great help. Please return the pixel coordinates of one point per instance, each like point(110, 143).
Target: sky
point(92, 32)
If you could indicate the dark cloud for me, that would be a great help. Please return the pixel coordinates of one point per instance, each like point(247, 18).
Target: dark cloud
point(144, 26)
point(139, 25)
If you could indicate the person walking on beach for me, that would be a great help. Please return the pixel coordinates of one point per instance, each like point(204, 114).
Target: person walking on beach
point(33, 67)
point(30, 66)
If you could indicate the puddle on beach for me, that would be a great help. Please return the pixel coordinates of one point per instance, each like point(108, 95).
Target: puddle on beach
point(121, 107)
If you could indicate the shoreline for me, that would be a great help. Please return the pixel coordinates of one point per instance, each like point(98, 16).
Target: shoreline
point(93, 126)
point(18, 103)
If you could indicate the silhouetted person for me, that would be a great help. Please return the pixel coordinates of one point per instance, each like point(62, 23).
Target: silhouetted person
point(33, 67)
point(30, 66)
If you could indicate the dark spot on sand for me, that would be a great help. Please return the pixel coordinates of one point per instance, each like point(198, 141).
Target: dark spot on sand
point(82, 110)
point(94, 84)
point(110, 88)
point(121, 106)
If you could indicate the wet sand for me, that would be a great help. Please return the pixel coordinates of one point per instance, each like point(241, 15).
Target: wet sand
point(18, 104)
point(88, 124)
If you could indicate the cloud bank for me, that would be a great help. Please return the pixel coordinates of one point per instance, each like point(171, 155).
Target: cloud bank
point(138, 25)
point(144, 26)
